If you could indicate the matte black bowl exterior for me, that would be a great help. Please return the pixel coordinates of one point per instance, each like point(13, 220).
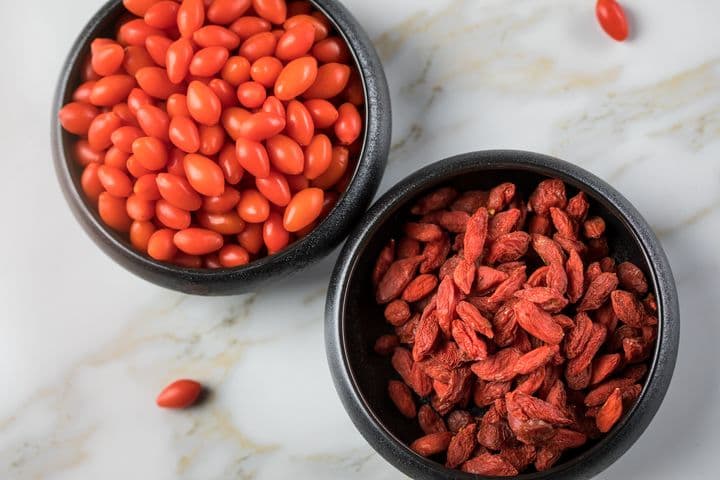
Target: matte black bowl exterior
point(331, 231)
point(353, 321)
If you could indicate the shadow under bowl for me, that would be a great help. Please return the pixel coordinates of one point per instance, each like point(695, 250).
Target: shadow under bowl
point(369, 169)
point(353, 321)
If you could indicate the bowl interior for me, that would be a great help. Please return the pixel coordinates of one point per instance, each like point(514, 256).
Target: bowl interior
point(362, 319)
point(106, 27)
point(368, 168)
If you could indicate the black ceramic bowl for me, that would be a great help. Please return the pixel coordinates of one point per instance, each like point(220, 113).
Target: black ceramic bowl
point(353, 321)
point(328, 234)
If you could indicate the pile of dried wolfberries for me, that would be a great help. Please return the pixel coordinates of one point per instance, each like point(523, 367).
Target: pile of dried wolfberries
point(514, 331)
point(216, 132)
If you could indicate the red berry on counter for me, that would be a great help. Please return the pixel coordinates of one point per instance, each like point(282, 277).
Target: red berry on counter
point(179, 394)
point(612, 19)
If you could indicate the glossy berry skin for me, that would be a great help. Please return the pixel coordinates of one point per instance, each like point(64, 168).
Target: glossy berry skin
point(612, 19)
point(233, 256)
point(204, 175)
point(299, 124)
point(198, 241)
point(179, 394)
point(177, 60)
point(348, 124)
point(161, 246)
point(304, 208)
point(275, 236)
point(253, 207)
point(76, 117)
point(296, 78)
point(203, 104)
point(330, 80)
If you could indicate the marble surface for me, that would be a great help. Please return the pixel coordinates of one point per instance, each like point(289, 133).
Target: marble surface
point(85, 346)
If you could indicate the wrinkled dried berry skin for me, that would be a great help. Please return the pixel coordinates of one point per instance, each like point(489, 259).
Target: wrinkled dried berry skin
point(396, 278)
point(419, 287)
point(461, 446)
point(507, 304)
point(490, 465)
point(430, 421)
point(383, 262)
point(610, 412)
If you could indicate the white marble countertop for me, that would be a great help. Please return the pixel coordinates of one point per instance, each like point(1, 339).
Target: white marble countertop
point(85, 346)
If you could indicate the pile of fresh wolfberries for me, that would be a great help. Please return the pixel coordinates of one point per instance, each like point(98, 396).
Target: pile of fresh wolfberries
point(216, 132)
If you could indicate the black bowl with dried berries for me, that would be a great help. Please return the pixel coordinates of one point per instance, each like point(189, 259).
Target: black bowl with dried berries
point(502, 313)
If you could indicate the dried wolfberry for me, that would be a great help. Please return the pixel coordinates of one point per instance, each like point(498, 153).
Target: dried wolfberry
point(532, 364)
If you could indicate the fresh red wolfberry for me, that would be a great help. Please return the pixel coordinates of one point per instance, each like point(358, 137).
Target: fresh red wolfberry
point(215, 132)
point(612, 19)
point(179, 394)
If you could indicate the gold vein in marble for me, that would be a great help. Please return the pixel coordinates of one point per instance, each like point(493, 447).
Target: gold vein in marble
point(314, 296)
point(216, 424)
point(661, 103)
point(389, 43)
point(164, 329)
point(696, 131)
point(23, 463)
point(239, 312)
point(482, 54)
point(692, 219)
point(416, 129)
point(354, 459)
point(623, 168)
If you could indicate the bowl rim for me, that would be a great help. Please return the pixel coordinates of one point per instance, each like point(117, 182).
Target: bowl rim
point(329, 233)
point(625, 433)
